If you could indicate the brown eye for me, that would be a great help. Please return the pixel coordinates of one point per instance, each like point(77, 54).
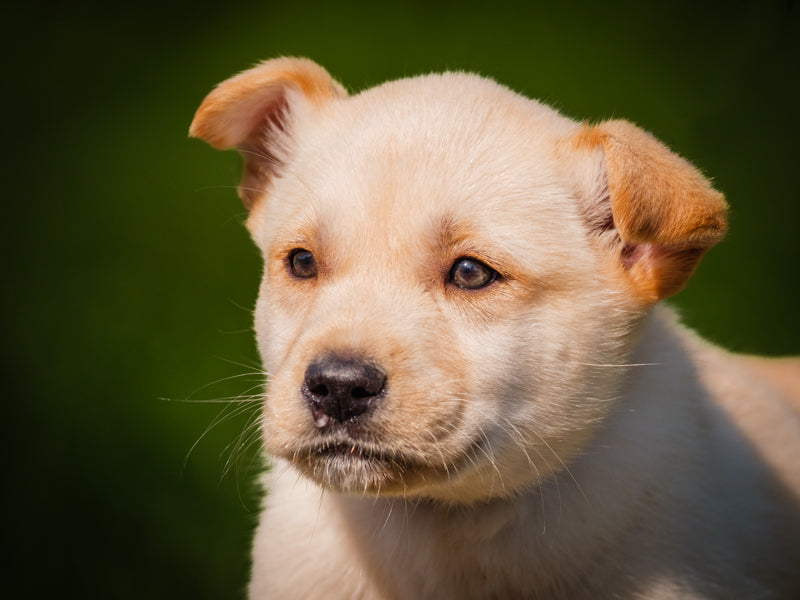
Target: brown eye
point(302, 264)
point(471, 274)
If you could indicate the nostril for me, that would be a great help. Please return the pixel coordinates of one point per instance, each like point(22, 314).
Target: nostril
point(360, 392)
point(319, 390)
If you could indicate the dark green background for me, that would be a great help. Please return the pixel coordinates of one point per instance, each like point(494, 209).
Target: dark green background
point(128, 278)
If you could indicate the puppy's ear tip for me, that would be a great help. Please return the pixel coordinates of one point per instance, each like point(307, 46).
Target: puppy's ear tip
point(201, 128)
point(196, 131)
point(714, 225)
point(196, 128)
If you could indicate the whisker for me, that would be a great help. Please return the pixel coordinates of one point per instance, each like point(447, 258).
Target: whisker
point(246, 404)
point(249, 435)
point(619, 365)
point(490, 458)
point(218, 381)
point(255, 366)
point(519, 439)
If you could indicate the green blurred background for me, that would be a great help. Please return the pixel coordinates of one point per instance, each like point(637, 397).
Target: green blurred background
point(128, 278)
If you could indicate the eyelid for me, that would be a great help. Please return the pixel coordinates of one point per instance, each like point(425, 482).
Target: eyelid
point(475, 259)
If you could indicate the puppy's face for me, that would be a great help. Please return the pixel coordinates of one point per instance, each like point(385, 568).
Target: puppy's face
point(447, 275)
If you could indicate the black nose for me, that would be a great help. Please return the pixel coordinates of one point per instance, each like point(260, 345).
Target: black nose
point(341, 388)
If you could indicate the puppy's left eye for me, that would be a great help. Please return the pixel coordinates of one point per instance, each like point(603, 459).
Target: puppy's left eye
point(302, 263)
point(471, 274)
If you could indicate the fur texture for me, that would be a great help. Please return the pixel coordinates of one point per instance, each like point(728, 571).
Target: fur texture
point(473, 392)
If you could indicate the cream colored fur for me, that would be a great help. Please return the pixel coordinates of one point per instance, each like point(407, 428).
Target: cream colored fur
point(554, 434)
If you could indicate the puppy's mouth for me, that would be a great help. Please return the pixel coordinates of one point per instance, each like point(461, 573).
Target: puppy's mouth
point(344, 449)
point(353, 466)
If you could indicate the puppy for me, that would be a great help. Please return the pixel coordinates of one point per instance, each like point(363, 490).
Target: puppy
point(473, 392)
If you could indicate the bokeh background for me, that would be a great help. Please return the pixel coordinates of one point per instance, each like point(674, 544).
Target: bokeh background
point(128, 279)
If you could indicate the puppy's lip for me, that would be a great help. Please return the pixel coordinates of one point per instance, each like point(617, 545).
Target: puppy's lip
point(348, 448)
point(345, 447)
point(346, 465)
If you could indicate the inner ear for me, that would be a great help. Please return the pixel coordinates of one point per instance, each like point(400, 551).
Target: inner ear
point(266, 149)
point(254, 112)
point(589, 176)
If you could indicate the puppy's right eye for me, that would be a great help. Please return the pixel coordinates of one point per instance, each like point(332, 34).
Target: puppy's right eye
point(302, 263)
point(471, 274)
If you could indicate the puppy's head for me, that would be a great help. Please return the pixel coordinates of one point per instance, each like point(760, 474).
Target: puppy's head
point(450, 269)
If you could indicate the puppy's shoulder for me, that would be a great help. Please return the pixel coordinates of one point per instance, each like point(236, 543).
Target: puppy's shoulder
point(761, 398)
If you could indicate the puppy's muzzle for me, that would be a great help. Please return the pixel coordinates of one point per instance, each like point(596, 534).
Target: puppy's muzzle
point(342, 389)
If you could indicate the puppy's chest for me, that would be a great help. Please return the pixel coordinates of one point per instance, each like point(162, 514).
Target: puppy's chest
point(450, 570)
point(417, 555)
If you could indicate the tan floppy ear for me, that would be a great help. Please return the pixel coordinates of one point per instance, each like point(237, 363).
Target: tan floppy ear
point(253, 112)
point(665, 213)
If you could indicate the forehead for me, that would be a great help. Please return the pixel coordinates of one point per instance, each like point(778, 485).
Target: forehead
point(410, 155)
